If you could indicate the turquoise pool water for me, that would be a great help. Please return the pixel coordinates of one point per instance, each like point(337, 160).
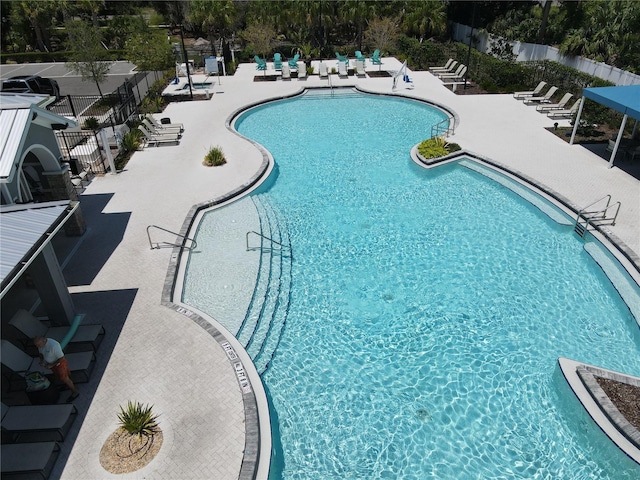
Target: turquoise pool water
point(427, 311)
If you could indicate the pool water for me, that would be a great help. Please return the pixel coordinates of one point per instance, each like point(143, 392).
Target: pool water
point(428, 310)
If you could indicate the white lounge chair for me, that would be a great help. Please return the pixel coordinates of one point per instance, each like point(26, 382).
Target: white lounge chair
point(448, 67)
point(37, 423)
point(458, 76)
point(546, 98)
point(323, 70)
point(157, 131)
point(18, 362)
point(565, 113)
point(162, 130)
point(160, 125)
point(547, 107)
point(28, 460)
point(30, 327)
point(457, 73)
point(158, 139)
point(286, 71)
point(531, 93)
point(302, 71)
point(342, 70)
point(360, 68)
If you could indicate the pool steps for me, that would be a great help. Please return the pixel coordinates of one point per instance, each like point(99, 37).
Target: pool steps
point(261, 330)
point(273, 288)
point(276, 325)
point(256, 306)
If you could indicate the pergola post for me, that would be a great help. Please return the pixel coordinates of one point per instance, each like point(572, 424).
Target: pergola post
point(575, 125)
point(620, 132)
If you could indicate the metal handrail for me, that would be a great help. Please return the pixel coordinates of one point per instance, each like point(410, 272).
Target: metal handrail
point(592, 215)
point(266, 238)
point(157, 245)
point(583, 211)
point(438, 127)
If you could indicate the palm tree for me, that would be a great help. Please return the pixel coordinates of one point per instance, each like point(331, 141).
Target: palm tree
point(213, 16)
point(425, 18)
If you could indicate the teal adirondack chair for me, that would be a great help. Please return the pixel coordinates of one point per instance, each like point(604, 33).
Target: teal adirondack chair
point(360, 56)
point(375, 58)
point(260, 63)
point(293, 62)
point(277, 61)
point(342, 58)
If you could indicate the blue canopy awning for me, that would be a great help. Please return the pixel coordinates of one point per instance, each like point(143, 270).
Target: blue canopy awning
point(623, 99)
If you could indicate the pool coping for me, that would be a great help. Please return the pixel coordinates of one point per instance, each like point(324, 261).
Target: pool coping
point(580, 378)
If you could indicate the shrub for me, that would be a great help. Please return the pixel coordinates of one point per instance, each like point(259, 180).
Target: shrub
point(214, 157)
point(131, 140)
point(138, 419)
point(437, 147)
point(91, 123)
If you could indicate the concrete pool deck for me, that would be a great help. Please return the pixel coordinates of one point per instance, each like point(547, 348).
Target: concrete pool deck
point(159, 356)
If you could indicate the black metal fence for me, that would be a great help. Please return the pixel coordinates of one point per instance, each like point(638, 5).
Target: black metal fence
point(110, 110)
point(83, 151)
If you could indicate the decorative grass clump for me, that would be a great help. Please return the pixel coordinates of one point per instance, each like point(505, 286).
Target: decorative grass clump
point(437, 147)
point(138, 419)
point(214, 157)
point(91, 123)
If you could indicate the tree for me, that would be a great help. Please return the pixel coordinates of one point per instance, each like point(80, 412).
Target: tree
point(260, 38)
point(149, 51)
point(382, 34)
point(87, 55)
point(426, 18)
point(38, 15)
point(213, 16)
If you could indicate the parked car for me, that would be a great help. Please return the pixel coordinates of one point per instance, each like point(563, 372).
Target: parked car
point(31, 84)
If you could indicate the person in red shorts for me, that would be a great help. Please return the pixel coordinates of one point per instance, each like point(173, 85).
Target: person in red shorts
point(52, 357)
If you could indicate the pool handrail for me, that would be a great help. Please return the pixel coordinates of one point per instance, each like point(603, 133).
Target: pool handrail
point(158, 245)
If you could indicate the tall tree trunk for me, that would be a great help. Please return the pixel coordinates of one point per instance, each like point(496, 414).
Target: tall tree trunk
point(545, 19)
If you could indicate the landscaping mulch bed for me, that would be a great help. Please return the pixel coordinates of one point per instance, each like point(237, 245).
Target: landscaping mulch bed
point(378, 73)
point(601, 134)
point(625, 397)
point(265, 78)
point(124, 453)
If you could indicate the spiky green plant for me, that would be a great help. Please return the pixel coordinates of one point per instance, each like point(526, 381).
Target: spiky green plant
point(138, 419)
point(214, 157)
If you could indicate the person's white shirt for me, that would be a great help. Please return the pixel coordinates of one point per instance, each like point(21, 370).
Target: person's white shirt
point(51, 351)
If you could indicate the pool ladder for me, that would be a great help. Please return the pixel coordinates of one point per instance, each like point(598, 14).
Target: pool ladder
point(156, 245)
point(596, 217)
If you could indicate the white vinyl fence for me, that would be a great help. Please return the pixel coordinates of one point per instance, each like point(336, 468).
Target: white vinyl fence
point(530, 51)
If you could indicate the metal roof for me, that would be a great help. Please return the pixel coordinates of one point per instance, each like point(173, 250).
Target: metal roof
point(22, 100)
point(17, 112)
point(13, 129)
point(623, 99)
point(25, 230)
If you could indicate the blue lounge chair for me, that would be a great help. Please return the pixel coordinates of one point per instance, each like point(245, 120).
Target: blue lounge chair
point(293, 62)
point(277, 61)
point(375, 58)
point(360, 56)
point(343, 58)
point(260, 64)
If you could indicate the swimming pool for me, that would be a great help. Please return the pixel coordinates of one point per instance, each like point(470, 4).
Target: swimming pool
point(427, 309)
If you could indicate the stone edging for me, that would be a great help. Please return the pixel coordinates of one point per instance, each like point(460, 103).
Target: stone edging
point(602, 413)
point(587, 374)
